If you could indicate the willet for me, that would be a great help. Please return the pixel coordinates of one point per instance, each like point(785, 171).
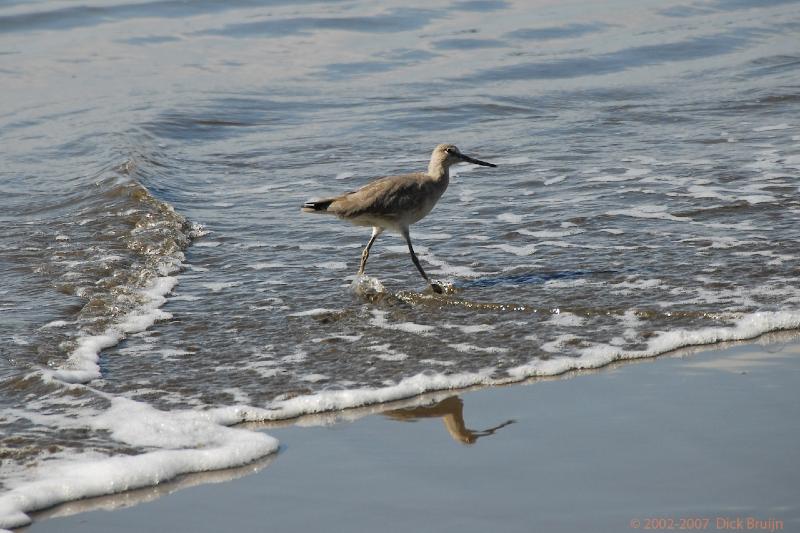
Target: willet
point(396, 202)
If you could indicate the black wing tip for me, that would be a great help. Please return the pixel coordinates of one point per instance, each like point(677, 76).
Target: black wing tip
point(321, 205)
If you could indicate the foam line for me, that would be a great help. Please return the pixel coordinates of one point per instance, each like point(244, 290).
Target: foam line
point(189, 441)
point(82, 364)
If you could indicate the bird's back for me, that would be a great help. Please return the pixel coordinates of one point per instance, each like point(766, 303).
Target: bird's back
point(401, 199)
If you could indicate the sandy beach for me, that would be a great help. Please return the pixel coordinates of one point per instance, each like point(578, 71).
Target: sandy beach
point(698, 439)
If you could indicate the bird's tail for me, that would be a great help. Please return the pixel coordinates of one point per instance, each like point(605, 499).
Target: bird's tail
point(317, 206)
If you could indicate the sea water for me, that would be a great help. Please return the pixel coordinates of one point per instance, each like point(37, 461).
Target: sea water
point(160, 284)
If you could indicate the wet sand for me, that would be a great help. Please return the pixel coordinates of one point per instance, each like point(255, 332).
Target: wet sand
point(708, 434)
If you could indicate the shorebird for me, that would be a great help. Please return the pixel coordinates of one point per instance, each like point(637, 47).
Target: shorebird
point(395, 202)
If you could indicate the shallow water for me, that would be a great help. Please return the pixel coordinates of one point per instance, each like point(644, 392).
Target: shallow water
point(160, 282)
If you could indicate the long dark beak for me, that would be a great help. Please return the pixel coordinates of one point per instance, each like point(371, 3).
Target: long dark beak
point(476, 161)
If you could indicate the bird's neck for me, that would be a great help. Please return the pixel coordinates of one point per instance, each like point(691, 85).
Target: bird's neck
point(438, 171)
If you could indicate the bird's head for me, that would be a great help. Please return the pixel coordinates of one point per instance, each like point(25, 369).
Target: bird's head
point(446, 155)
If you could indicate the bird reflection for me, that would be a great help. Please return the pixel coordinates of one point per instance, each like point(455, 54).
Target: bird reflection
point(451, 410)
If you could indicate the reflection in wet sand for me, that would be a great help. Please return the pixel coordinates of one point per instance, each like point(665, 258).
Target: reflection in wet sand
point(451, 410)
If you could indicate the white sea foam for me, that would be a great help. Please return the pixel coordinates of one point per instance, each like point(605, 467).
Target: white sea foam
point(782, 126)
point(758, 198)
point(566, 319)
point(510, 217)
point(207, 244)
point(475, 328)
point(466, 195)
point(186, 441)
point(221, 285)
point(550, 234)
point(634, 284)
point(647, 211)
point(270, 264)
point(238, 395)
point(297, 357)
point(172, 353)
point(527, 249)
point(332, 265)
point(386, 353)
point(553, 181)
point(593, 356)
point(313, 378)
point(630, 174)
point(444, 268)
point(193, 441)
point(314, 312)
point(81, 365)
point(557, 344)
point(264, 368)
point(564, 283)
point(598, 355)
point(332, 400)
point(379, 319)
point(56, 324)
point(467, 348)
point(349, 338)
point(437, 362)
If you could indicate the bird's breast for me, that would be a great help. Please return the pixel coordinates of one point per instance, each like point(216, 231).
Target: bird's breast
point(425, 204)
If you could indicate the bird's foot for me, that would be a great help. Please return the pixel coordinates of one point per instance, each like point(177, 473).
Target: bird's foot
point(365, 285)
point(435, 287)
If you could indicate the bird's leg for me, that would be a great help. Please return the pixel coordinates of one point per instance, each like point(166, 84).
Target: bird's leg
point(365, 254)
point(436, 288)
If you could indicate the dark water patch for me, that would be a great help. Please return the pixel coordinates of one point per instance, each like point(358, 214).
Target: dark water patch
point(776, 64)
point(391, 60)
point(338, 71)
point(770, 100)
point(781, 99)
point(468, 44)
point(451, 117)
point(619, 61)
point(395, 21)
point(685, 11)
point(649, 115)
point(533, 278)
point(710, 212)
point(409, 55)
point(149, 39)
point(67, 18)
point(553, 105)
point(567, 31)
point(223, 118)
point(481, 6)
point(699, 9)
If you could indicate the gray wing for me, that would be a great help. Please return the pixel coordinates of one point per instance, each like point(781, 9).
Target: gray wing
point(387, 197)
